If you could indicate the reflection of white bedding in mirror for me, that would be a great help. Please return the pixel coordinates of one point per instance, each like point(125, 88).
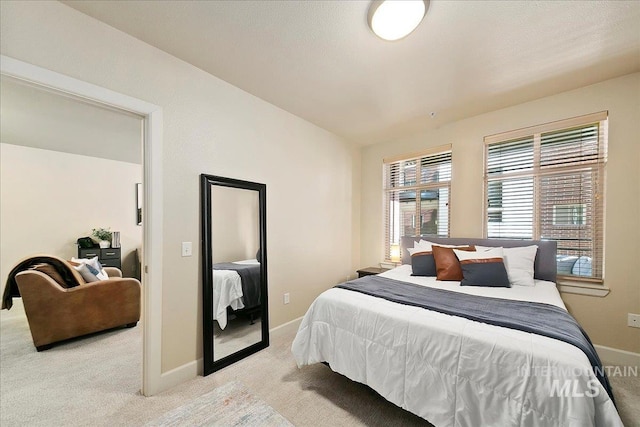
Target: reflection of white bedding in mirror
point(247, 261)
point(227, 292)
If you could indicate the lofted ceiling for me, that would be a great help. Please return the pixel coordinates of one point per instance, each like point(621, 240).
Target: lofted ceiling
point(320, 61)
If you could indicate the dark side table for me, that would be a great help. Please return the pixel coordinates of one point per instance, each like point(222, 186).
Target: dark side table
point(371, 271)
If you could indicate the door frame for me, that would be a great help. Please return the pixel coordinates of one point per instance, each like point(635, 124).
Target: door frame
point(152, 234)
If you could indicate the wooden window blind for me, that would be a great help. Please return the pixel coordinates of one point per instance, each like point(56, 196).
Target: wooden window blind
point(547, 183)
point(416, 196)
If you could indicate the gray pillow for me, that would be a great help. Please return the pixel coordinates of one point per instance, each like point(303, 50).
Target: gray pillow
point(423, 264)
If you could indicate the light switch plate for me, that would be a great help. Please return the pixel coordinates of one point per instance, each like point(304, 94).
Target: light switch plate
point(186, 249)
point(633, 320)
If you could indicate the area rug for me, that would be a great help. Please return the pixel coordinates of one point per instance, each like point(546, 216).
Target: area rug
point(226, 406)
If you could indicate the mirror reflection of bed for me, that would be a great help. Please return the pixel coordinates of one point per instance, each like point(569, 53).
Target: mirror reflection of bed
point(235, 237)
point(236, 302)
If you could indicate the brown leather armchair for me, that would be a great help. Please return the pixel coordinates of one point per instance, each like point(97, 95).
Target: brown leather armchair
point(55, 313)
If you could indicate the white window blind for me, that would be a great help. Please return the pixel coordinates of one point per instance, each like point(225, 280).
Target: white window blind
point(417, 190)
point(547, 183)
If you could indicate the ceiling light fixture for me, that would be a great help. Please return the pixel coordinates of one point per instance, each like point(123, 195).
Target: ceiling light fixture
point(395, 19)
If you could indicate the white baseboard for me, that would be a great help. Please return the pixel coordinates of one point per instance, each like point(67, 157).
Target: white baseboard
point(284, 325)
point(613, 356)
point(179, 375)
point(191, 370)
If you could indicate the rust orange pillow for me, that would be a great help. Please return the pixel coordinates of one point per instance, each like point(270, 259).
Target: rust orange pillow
point(447, 264)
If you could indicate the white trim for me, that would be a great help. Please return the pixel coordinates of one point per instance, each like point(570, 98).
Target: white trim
point(583, 289)
point(153, 240)
point(613, 356)
point(181, 374)
point(296, 320)
point(191, 370)
point(152, 378)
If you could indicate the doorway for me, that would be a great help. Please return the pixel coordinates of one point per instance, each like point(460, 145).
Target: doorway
point(152, 381)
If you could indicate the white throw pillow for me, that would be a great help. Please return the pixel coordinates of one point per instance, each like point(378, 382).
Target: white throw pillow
point(488, 254)
point(519, 262)
point(426, 243)
point(420, 246)
point(93, 263)
point(419, 249)
point(87, 275)
point(426, 246)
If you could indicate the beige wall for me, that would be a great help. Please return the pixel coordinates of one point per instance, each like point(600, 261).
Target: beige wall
point(235, 224)
point(49, 199)
point(605, 319)
point(215, 128)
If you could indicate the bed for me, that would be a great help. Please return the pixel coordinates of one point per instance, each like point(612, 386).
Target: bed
point(236, 286)
point(448, 369)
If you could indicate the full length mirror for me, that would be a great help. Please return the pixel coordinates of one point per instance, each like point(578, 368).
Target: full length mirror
point(234, 270)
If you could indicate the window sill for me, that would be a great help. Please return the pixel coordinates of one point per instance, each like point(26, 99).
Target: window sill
point(570, 287)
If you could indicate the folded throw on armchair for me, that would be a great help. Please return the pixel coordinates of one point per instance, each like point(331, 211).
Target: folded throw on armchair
point(64, 269)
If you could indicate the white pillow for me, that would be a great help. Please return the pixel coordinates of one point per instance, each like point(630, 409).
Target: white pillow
point(420, 246)
point(418, 249)
point(426, 246)
point(87, 275)
point(426, 243)
point(519, 262)
point(491, 253)
point(95, 264)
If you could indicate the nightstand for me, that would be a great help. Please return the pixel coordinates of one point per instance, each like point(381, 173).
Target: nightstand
point(108, 257)
point(371, 271)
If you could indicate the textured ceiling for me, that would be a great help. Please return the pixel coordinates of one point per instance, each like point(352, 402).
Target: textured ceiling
point(320, 61)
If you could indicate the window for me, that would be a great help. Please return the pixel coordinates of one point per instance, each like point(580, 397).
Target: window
point(570, 214)
point(547, 183)
point(417, 192)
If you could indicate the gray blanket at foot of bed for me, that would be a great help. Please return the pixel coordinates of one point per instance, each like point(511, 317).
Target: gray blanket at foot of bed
point(538, 318)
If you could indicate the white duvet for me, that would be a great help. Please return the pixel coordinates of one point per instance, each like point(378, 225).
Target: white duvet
point(450, 370)
point(227, 292)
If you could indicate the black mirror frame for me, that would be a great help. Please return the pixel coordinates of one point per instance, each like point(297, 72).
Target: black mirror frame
point(206, 181)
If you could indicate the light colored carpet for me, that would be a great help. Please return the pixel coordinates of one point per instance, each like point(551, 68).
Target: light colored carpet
point(95, 381)
point(228, 406)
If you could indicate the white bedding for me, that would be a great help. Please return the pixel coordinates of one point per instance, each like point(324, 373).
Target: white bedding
point(543, 291)
point(227, 292)
point(450, 370)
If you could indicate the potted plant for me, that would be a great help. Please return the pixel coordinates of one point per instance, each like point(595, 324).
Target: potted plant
point(103, 236)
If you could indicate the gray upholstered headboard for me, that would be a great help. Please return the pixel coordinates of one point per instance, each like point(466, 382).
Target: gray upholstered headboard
point(545, 267)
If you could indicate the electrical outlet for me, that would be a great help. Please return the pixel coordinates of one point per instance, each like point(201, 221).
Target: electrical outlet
point(186, 249)
point(633, 320)
point(286, 298)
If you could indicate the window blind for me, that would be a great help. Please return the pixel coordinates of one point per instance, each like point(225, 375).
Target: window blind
point(549, 185)
point(416, 196)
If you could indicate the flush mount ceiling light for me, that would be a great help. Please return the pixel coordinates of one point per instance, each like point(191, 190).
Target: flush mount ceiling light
point(394, 19)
